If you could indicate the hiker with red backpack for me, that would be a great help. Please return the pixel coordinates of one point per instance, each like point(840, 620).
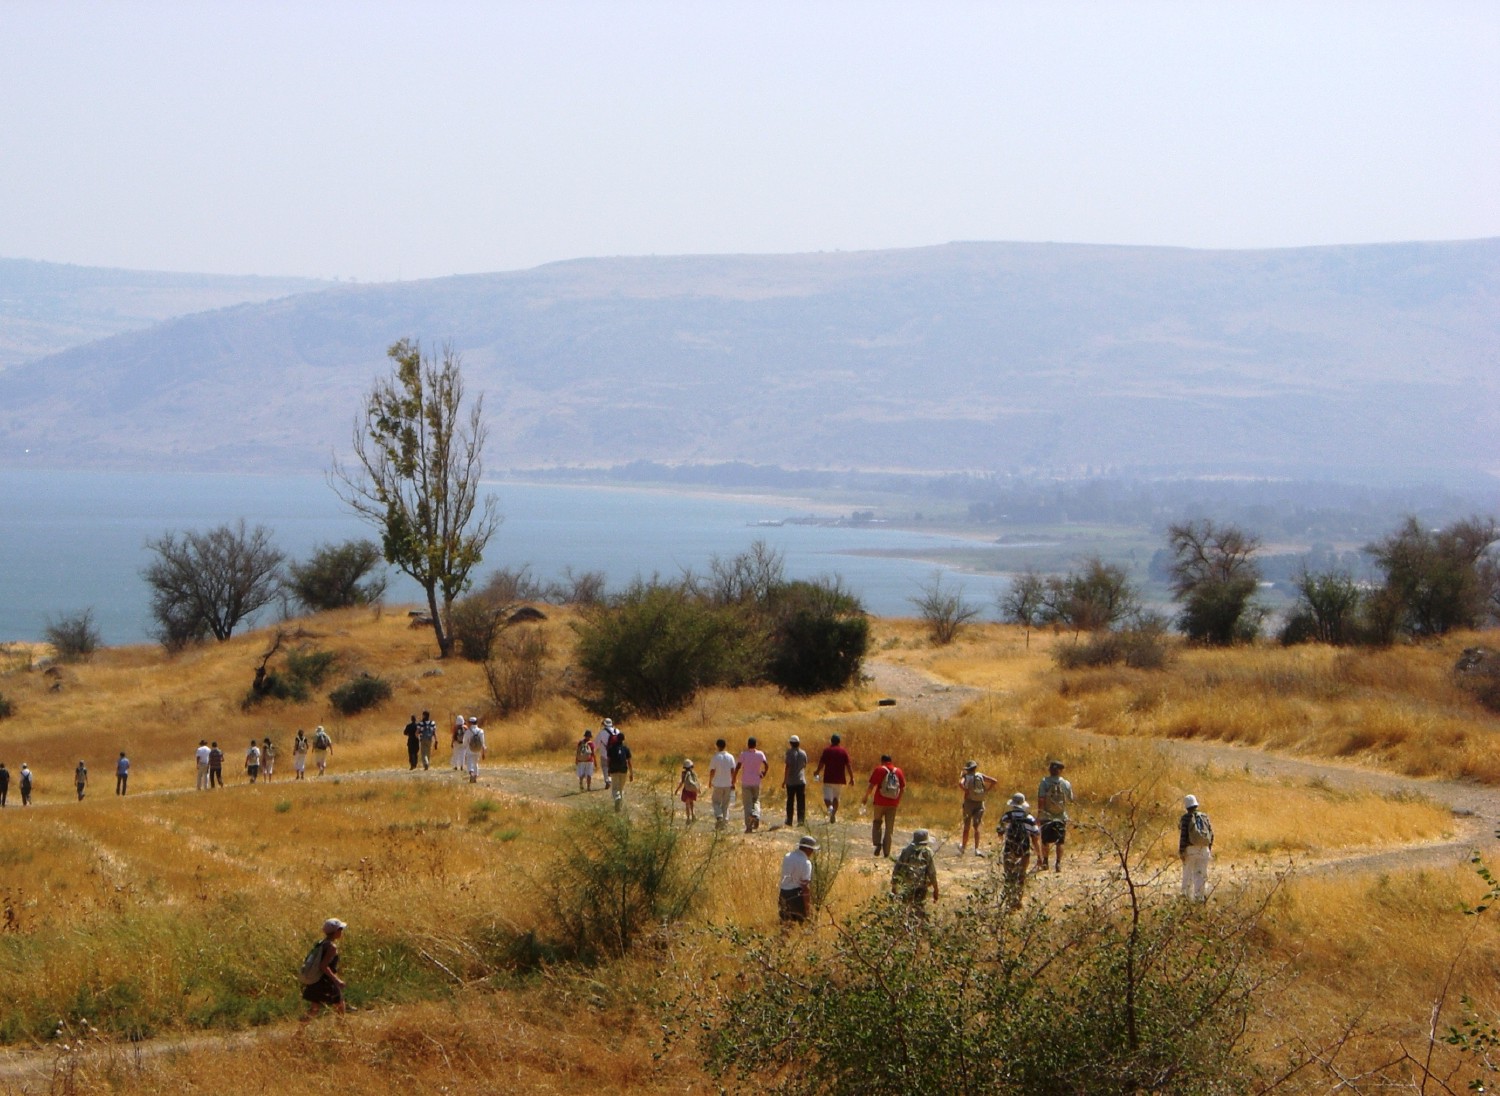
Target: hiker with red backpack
point(887, 784)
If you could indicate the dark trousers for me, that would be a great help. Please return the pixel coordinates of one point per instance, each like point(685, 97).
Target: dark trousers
point(791, 905)
point(796, 801)
point(121, 779)
point(216, 776)
point(411, 751)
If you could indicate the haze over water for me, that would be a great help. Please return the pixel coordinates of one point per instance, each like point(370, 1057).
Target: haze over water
point(75, 540)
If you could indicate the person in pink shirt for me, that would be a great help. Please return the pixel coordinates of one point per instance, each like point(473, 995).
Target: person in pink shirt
point(750, 768)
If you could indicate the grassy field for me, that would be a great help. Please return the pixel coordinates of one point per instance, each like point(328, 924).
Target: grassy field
point(171, 914)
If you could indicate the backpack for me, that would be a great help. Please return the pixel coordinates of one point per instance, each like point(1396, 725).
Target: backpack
point(321, 741)
point(1200, 831)
point(890, 783)
point(974, 784)
point(312, 967)
point(910, 874)
point(690, 779)
point(615, 751)
point(1013, 830)
point(1053, 801)
point(585, 752)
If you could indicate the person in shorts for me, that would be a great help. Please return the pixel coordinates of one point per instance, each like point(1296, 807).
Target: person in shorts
point(583, 761)
point(252, 761)
point(329, 988)
point(835, 770)
point(1053, 797)
point(687, 789)
point(976, 787)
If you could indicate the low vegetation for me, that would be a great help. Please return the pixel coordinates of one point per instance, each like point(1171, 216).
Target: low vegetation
point(496, 930)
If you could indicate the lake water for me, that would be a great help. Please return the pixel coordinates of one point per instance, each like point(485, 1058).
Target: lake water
point(76, 540)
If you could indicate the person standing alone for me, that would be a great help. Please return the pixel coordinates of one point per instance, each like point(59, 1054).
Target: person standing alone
point(80, 779)
point(122, 774)
point(1195, 848)
point(794, 902)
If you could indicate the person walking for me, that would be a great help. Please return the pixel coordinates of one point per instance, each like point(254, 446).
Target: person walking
point(413, 734)
point(835, 769)
point(475, 748)
point(329, 988)
point(122, 773)
point(252, 761)
point(322, 749)
point(887, 784)
point(300, 746)
point(1053, 797)
point(426, 739)
point(687, 790)
point(750, 768)
point(794, 780)
point(1020, 837)
point(25, 785)
point(456, 743)
point(80, 779)
point(200, 756)
point(976, 788)
point(584, 758)
point(620, 770)
point(267, 759)
point(602, 742)
point(1195, 848)
point(794, 901)
point(215, 766)
point(915, 873)
point(721, 783)
point(4, 783)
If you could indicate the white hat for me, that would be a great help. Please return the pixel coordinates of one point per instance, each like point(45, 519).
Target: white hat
point(1189, 802)
point(333, 924)
point(808, 843)
point(1019, 800)
point(795, 741)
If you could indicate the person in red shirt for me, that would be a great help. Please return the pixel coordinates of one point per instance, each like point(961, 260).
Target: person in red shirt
point(887, 783)
point(834, 770)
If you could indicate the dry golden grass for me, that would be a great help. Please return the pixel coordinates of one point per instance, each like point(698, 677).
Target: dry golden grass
point(189, 910)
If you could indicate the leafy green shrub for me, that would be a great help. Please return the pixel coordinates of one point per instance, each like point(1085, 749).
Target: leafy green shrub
point(74, 637)
point(311, 665)
point(336, 576)
point(652, 648)
point(305, 669)
point(1143, 647)
point(359, 694)
point(617, 877)
point(819, 639)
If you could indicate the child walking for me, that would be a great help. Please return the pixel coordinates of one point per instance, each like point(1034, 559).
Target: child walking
point(687, 788)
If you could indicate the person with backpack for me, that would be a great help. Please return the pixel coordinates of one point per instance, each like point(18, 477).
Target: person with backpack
point(426, 737)
point(915, 873)
point(887, 783)
point(215, 766)
point(751, 767)
point(835, 769)
point(976, 788)
point(300, 746)
point(602, 742)
point(584, 757)
point(794, 900)
point(1195, 848)
point(267, 759)
point(1053, 796)
point(25, 785)
point(475, 749)
point(456, 743)
point(687, 788)
point(122, 773)
point(413, 733)
point(80, 779)
point(1020, 837)
point(794, 780)
point(618, 758)
point(322, 749)
point(321, 984)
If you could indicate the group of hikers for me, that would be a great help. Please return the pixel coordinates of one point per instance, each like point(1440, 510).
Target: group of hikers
point(26, 780)
point(261, 757)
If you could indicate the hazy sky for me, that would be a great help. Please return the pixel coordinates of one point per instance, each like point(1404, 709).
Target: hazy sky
point(385, 140)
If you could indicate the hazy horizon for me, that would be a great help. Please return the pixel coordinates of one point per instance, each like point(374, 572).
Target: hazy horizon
point(397, 141)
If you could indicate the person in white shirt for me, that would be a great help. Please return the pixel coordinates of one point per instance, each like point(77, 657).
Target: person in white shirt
point(794, 903)
point(474, 748)
point(202, 757)
point(721, 783)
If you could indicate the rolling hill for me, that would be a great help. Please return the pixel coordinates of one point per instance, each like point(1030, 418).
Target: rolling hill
point(1374, 359)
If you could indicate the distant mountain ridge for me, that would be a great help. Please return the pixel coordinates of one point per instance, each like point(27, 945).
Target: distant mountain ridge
point(49, 307)
point(973, 356)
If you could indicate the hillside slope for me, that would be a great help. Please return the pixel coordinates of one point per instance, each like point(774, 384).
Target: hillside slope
point(965, 356)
